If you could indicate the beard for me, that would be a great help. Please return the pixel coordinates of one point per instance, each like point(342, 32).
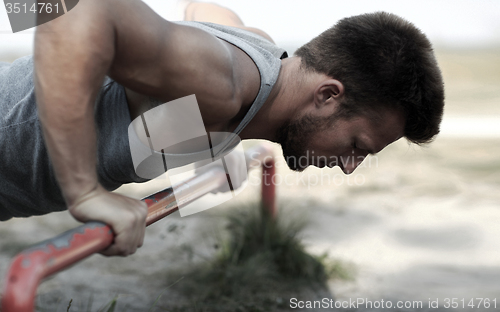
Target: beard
point(294, 136)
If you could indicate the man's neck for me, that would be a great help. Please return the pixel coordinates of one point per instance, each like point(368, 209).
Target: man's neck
point(288, 96)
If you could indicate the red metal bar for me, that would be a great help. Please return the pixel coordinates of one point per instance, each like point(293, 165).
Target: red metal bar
point(44, 259)
point(269, 187)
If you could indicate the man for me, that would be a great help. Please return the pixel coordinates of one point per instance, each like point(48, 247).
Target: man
point(351, 91)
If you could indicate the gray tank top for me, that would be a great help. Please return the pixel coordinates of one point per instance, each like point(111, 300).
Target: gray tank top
point(27, 182)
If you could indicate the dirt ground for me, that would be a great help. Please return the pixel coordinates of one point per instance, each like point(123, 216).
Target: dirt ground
point(418, 223)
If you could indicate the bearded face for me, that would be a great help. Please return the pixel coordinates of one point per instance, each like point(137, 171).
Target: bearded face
point(295, 135)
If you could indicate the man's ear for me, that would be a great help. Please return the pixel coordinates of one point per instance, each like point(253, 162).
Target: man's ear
point(328, 92)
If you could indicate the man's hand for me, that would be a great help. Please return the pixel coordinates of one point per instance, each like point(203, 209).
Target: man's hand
point(126, 216)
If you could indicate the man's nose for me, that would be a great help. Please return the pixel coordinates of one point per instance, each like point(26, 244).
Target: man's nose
point(350, 166)
point(349, 169)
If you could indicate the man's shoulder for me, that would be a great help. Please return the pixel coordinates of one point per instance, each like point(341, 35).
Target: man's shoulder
point(256, 38)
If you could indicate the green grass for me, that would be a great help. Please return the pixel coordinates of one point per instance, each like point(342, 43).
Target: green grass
point(260, 263)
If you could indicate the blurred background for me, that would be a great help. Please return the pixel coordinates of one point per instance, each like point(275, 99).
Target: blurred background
point(416, 222)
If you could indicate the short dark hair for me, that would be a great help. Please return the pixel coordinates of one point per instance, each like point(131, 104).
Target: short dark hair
point(382, 59)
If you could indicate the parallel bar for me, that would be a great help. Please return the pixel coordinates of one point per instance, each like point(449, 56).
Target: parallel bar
point(44, 259)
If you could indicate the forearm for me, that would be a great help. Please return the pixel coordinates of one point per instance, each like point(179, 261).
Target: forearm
point(72, 55)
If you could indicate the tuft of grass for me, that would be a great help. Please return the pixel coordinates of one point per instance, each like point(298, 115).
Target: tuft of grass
point(337, 269)
point(261, 262)
point(269, 244)
point(110, 307)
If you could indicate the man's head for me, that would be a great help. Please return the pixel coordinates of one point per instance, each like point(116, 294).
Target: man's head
point(379, 73)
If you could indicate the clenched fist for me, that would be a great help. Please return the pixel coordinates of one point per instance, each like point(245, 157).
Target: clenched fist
point(126, 216)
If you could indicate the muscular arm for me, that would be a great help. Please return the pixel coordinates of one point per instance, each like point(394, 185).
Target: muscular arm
point(140, 50)
point(70, 63)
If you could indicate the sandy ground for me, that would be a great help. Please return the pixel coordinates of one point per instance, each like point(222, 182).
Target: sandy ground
point(419, 224)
